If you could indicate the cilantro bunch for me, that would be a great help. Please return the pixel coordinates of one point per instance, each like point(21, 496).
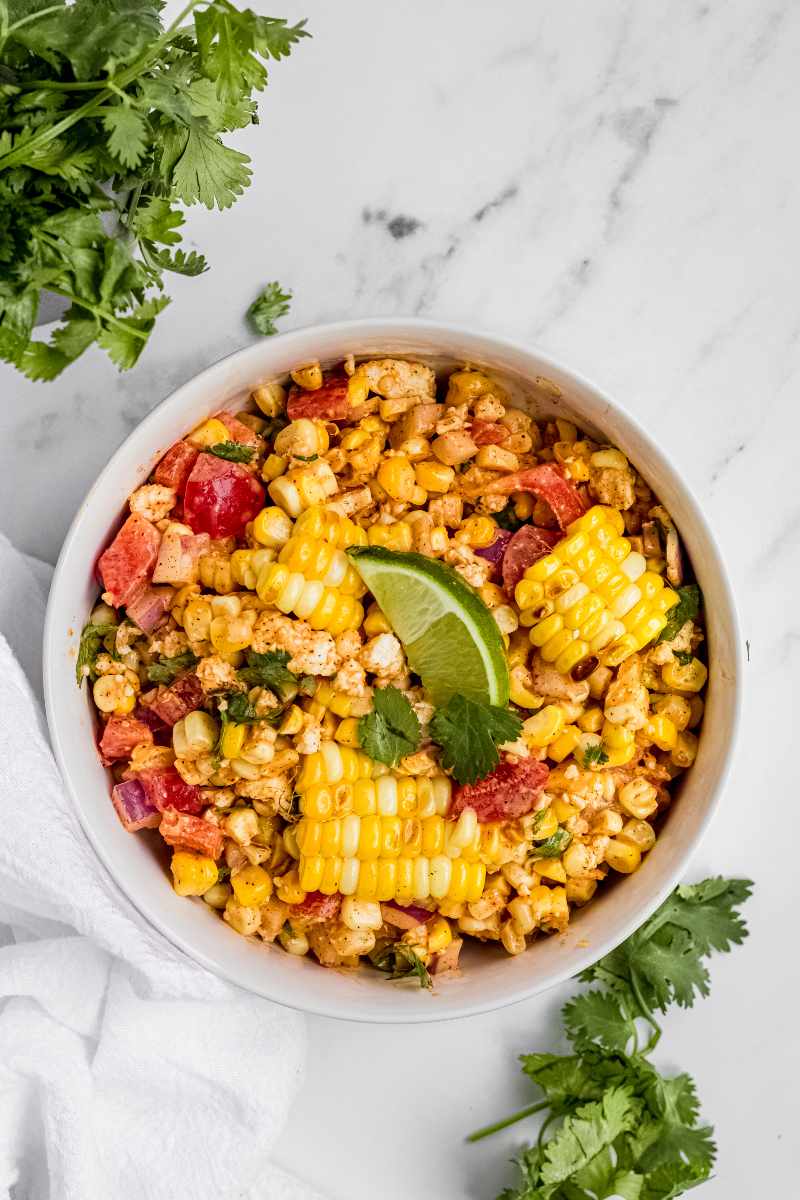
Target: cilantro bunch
point(613, 1125)
point(109, 124)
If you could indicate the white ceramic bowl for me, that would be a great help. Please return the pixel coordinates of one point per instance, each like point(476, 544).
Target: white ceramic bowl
point(489, 978)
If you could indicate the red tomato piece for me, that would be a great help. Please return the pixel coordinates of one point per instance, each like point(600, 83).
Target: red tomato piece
point(238, 430)
point(317, 907)
point(527, 546)
point(164, 788)
point(121, 736)
point(488, 433)
point(191, 833)
point(176, 466)
point(128, 562)
point(183, 696)
point(510, 791)
point(328, 403)
point(548, 483)
point(221, 497)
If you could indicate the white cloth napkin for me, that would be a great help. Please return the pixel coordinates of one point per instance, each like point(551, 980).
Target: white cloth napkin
point(125, 1069)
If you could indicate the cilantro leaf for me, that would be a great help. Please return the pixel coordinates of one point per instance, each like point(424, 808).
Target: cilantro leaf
point(553, 846)
point(400, 961)
point(508, 519)
point(684, 657)
point(238, 710)
point(91, 644)
point(167, 669)
point(686, 609)
point(267, 308)
point(128, 134)
point(392, 729)
point(270, 670)
point(469, 733)
point(232, 451)
point(593, 1127)
point(594, 755)
point(598, 1017)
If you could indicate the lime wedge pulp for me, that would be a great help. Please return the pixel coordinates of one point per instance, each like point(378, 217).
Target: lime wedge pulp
point(450, 638)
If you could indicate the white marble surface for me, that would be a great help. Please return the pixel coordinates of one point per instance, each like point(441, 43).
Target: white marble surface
point(617, 182)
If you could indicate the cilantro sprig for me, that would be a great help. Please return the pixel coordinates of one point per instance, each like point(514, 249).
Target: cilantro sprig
point(270, 670)
point(400, 961)
point(686, 609)
point(109, 126)
point(94, 639)
point(614, 1125)
point(232, 451)
point(392, 729)
point(166, 670)
point(269, 307)
point(469, 734)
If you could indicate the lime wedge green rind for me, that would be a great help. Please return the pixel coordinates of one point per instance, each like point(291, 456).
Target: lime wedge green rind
point(450, 638)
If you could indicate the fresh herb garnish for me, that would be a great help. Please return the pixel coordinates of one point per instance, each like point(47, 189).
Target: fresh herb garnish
point(91, 644)
point(269, 307)
point(684, 657)
point(469, 733)
point(223, 873)
point(105, 113)
point(400, 961)
point(238, 710)
point(232, 451)
point(553, 846)
point(392, 729)
point(686, 609)
point(270, 670)
point(614, 1126)
point(167, 669)
point(594, 754)
point(508, 519)
point(306, 457)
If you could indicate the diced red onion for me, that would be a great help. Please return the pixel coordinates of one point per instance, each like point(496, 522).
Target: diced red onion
point(494, 553)
point(132, 806)
point(420, 915)
point(148, 607)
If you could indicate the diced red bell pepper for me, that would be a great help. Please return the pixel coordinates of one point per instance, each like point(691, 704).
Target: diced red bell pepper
point(164, 788)
point(510, 791)
point(128, 562)
point(527, 546)
point(183, 696)
point(221, 497)
point(316, 907)
point(191, 833)
point(328, 403)
point(488, 433)
point(548, 483)
point(176, 466)
point(239, 432)
point(179, 555)
point(121, 736)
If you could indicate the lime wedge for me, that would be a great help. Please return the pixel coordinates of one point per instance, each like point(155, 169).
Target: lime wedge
point(450, 638)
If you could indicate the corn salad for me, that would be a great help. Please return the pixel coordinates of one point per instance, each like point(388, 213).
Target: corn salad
point(235, 649)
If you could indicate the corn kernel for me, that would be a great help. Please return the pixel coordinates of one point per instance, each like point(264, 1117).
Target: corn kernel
point(564, 744)
point(192, 874)
point(252, 886)
point(690, 678)
point(274, 466)
point(434, 476)
point(287, 888)
point(639, 833)
point(309, 378)
point(544, 727)
point(396, 476)
point(638, 798)
point(375, 622)
point(550, 868)
point(270, 398)
point(440, 935)
point(210, 433)
point(661, 730)
point(623, 856)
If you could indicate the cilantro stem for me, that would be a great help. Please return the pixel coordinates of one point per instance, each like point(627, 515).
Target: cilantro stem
point(487, 1130)
point(102, 314)
point(40, 85)
point(43, 12)
point(647, 1014)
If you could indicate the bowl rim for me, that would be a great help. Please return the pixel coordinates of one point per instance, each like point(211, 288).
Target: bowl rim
point(360, 1012)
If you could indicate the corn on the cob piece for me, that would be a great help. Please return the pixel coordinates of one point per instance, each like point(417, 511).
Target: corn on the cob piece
point(323, 607)
point(317, 559)
point(246, 566)
point(593, 595)
point(369, 833)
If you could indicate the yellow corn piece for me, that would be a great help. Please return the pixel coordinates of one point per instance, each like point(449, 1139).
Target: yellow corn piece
point(593, 595)
point(246, 566)
point(394, 537)
point(192, 874)
point(329, 526)
point(382, 836)
point(323, 607)
point(321, 560)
